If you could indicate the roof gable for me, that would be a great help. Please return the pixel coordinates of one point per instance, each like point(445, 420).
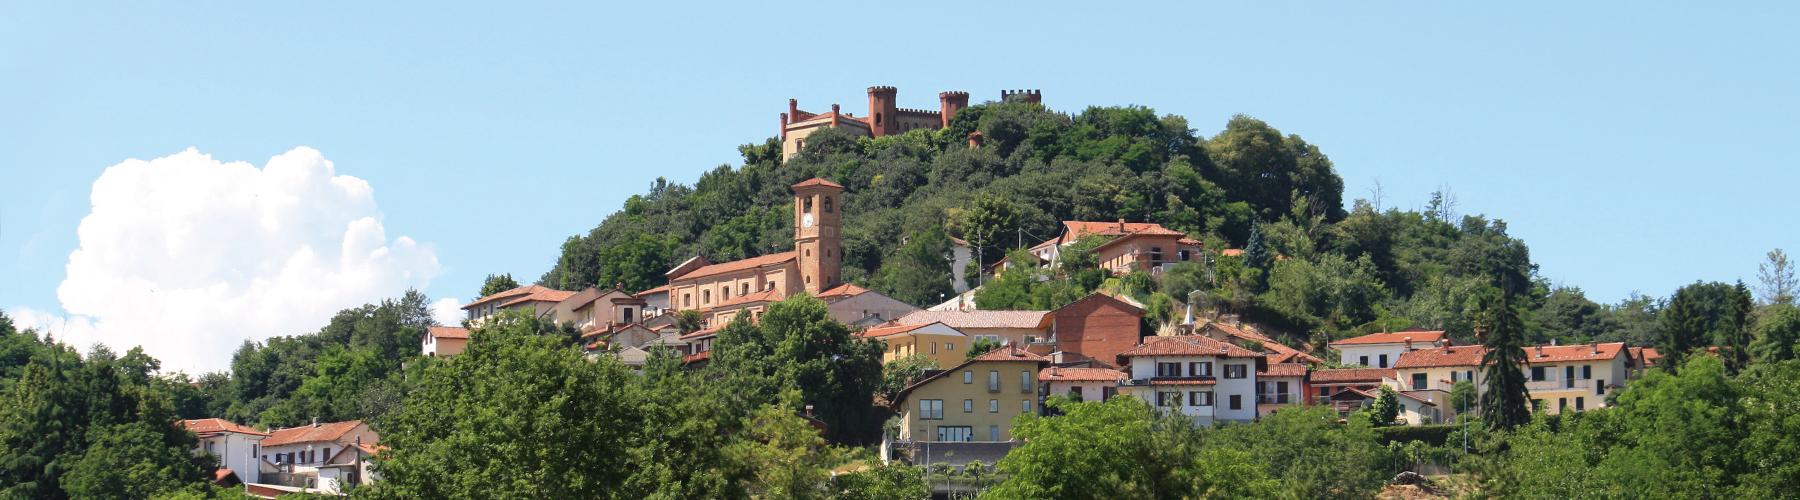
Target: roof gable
point(1417, 337)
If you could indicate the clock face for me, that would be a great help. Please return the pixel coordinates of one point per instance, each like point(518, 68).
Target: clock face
point(806, 220)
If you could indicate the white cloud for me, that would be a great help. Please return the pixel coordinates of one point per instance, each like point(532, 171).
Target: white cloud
point(189, 256)
point(447, 311)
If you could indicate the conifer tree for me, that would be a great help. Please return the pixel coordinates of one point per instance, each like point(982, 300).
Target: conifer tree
point(1505, 405)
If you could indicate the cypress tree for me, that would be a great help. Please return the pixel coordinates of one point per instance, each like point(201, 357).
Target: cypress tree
point(1505, 405)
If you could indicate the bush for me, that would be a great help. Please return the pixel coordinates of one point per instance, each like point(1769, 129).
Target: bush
point(1435, 435)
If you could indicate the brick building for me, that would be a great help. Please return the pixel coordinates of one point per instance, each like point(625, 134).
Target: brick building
point(885, 116)
point(1097, 327)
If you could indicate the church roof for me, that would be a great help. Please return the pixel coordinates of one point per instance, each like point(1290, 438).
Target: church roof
point(738, 265)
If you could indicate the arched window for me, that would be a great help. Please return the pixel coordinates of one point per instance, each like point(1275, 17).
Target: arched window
point(878, 119)
point(827, 204)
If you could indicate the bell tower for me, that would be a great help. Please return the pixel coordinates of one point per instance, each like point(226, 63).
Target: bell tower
point(817, 205)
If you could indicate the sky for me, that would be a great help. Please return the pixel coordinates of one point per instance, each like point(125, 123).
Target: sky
point(186, 175)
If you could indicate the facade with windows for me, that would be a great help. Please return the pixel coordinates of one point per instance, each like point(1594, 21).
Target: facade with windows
point(936, 341)
point(1574, 377)
point(1204, 379)
point(1382, 350)
point(1081, 384)
point(973, 401)
point(238, 448)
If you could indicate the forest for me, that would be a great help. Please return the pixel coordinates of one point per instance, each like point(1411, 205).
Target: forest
point(524, 414)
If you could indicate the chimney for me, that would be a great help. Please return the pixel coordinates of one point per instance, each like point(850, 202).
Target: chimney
point(1540, 351)
point(1595, 347)
point(1121, 224)
point(1054, 371)
point(1552, 342)
point(1409, 343)
point(315, 422)
point(835, 115)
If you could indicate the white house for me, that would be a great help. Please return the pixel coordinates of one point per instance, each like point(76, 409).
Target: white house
point(1382, 350)
point(237, 447)
point(1081, 384)
point(1202, 378)
point(444, 341)
point(311, 457)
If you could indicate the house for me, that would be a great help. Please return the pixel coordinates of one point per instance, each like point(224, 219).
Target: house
point(238, 448)
point(852, 305)
point(936, 341)
point(1133, 245)
point(1278, 385)
point(444, 341)
point(1575, 377)
point(1431, 374)
point(347, 469)
point(656, 300)
point(536, 298)
point(593, 310)
point(1097, 327)
point(1325, 385)
point(1380, 350)
point(309, 457)
point(1205, 379)
point(1023, 328)
point(972, 401)
point(1250, 339)
point(1414, 410)
point(1082, 384)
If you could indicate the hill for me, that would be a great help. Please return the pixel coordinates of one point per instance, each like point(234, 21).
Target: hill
point(1337, 271)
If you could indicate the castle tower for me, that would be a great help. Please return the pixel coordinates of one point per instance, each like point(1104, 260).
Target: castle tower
point(949, 103)
point(816, 208)
point(882, 111)
point(1032, 96)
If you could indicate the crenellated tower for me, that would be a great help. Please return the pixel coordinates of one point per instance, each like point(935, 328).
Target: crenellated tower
point(817, 206)
point(883, 110)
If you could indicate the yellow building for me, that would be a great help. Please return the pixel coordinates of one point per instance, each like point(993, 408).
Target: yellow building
point(1574, 377)
point(937, 341)
point(974, 401)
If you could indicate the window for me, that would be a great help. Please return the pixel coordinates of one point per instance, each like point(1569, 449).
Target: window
point(1562, 404)
point(1075, 394)
point(1383, 361)
point(1181, 254)
point(1454, 375)
point(326, 455)
point(1156, 254)
point(1025, 382)
point(1168, 399)
point(934, 347)
point(1025, 405)
point(1236, 371)
point(1237, 401)
point(1418, 381)
point(1281, 388)
point(1580, 403)
point(950, 346)
point(1200, 369)
point(1200, 398)
point(993, 433)
point(255, 449)
point(993, 406)
point(931, 409)
point(1600, 387)
point(993, 381)
point(725, 293)
point(706, 296)
point(1362, 360)
point(687, 300)
point(1587, 372)
point(1323, 391)
point(968, 377)
point(806, 203)
point(1168, 369)
point(968, 406)
point(1469, 375)
point(628, 315)
point(827, 204)
point(1108, 392)
point(1537, 374)
point(956, 433)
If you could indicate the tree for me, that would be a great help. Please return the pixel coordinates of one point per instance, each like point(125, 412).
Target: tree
point(798, 345)
point(1505, 405)
point(1569, 317)
point(899, 373)
point(783, 453)
point(919, 272)
point(1777, 334)
point(1386, 408)
point(1462, 396)
point(688, 320)
point(981, 345)
point(882, 482)
point(1777, 277)
point(496, 283)
point(1700, 314)
point(134, 460)
point(986, 222)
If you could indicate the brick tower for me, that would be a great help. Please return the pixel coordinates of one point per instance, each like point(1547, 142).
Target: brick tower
point(882, 111)
point(816, 208)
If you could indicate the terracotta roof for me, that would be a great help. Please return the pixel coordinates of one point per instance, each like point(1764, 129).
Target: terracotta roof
point(1576, 352)
point(310, 433)
point(1346, 375)
point(1281, 352)
point(1462, 355)
point(207, 426)
point(962, 320)
point(843, 291)
point(509, 294)
point(663, 288)
point(1283, 370)
point(1187, 345)
point(737, 265)
point(1648, 355)
point(1191, 241)
point(1010, 353)
point(545, 295)
point(817, 182)
point(704, 332)
point(1074, 229)
point(890, 329)
point(770, 295)
point(1232, 252)
point(448, 332)
point(1054, 374)
point(1418, 337)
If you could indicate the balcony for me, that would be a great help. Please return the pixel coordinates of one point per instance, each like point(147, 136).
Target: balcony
point(1139, 382)
point(1560, 385)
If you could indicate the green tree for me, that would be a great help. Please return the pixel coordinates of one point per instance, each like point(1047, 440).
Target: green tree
point(1462, 396)
point(1505, 404)
point(134, 460)
point(496, 283)
point(784, 453)
point(688, 320)
point(1777, 277)
point(1701, 314)
point(981, 345)
point(919, 273)
point(798, 345)
point(1386, 408)
point(1777, 334)
point(902, 372)
point(882, 482)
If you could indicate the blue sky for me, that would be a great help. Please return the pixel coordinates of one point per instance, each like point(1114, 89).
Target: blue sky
point(1634, 146)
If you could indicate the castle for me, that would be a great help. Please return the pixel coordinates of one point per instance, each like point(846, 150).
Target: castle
point(885, 117)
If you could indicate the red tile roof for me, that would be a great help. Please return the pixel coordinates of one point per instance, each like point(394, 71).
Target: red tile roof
point(1010, 353)
point(544, 295)
point(448, 332)
point(509, 294)
point(704, 332)
point(1351, 375)
point(1648, 355)
point(208, 426)
point(1462, 355)
point(1576, 352)
point(1418, 337)
point(1281, 352)
point(737, 265)
point(1283, 370)
point(1074, 229)
point(1187, 345)
point(310, 433)
point(817, 182)
point(664, 288)
point(843, 291)
point(1232, 252)
point(1054, 374)
point(890, 329)
point(980, 319)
